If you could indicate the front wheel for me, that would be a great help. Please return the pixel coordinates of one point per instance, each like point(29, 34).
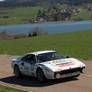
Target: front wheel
point(40, 75)
point(17, 71)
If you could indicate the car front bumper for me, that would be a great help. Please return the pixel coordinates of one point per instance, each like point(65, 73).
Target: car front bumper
point(69, 73)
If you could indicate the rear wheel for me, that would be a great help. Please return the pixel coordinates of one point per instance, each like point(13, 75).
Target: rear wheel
point(40, 75)
point(17, 71)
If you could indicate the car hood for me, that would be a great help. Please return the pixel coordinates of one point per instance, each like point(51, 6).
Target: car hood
point(63, 64)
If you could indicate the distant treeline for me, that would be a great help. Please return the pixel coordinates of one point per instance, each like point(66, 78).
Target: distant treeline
point(29, 3)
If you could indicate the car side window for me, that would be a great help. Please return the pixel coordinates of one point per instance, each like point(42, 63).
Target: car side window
point(30, 59)
point(24, 58)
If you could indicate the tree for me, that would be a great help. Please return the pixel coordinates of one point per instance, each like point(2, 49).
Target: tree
point(36, 31)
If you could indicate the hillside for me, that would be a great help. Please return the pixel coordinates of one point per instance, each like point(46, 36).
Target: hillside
point(26, 3)
point(36, 11)
point(67, 43)
point(18, 15)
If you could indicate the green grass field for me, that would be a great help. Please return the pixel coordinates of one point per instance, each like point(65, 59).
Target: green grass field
point(85, 16)
point(18, 15)
point(7, 89)
point(73, 44)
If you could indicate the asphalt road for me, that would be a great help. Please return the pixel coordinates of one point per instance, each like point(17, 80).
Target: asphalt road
point(81, 84)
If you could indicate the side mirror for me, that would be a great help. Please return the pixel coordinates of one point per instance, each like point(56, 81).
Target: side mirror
point(67, 57)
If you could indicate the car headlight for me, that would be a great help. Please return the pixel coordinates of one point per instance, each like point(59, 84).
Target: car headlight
point(83, 70)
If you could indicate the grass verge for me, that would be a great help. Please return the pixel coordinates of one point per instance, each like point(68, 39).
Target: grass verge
point(84, 16)
point(8, 89)
point(73, 44)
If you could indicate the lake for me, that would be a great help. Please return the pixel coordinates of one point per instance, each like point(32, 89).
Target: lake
point(51, 28)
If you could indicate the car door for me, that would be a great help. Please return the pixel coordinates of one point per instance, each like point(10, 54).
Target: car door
point(28, 65)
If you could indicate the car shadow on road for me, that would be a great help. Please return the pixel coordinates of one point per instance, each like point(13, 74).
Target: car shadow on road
point(33, 82)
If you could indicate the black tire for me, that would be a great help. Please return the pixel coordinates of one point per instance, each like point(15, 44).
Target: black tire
point(40, 75)
point(17, 72)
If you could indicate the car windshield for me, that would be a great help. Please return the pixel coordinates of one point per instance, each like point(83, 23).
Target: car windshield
point(49, 56)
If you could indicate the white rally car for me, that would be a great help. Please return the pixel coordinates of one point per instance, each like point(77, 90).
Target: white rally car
point(47, 65)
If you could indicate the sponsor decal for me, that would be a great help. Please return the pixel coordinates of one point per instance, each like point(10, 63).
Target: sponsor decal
point(60, 61)
point(68, 64)
point(57, 60)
